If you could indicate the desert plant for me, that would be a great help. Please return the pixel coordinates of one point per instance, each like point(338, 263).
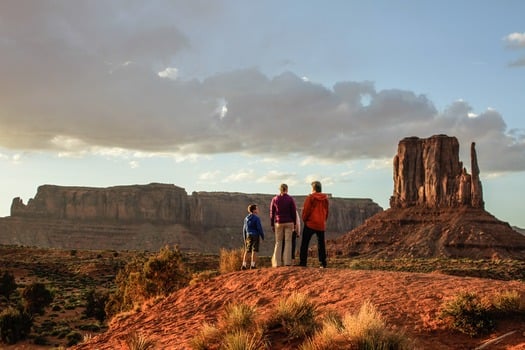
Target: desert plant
point(15, 325)
point(467, 314)
point(7, 284)
point(73, 338)
point(237, 329)
point(203, 276)
point(329, 337)
point(137, 341)
point(237, 317)
point(143, 278)
point(507, 303)
point(95, 304)
point(36, 297)
point(209, 334)
point(166, 272)
point(296, 315)
point(230, 260)
point(368, 330)
point(244, 340)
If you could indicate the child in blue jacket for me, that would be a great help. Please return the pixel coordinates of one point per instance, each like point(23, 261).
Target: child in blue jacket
point(251, 232)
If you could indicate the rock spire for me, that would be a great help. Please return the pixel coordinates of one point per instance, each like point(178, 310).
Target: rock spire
point(428, 173)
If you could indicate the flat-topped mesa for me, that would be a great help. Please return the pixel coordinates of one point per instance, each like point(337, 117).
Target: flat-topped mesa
point(135, 203)
point(428, 173)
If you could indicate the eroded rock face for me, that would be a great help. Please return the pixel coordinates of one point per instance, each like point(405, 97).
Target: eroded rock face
point(151, 216)
point(437, 210)
point(428, 173)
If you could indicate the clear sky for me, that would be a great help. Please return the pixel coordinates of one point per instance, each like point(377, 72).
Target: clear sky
point(242, 95)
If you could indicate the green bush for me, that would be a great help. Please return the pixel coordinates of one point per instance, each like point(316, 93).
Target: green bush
point(144, 278)
point(467, 314)
point(15, 325)
point(36, 297)
point(7, 284)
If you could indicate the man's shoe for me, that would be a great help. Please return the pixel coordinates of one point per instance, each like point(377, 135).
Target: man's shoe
point(243, 267)
point(253, 267)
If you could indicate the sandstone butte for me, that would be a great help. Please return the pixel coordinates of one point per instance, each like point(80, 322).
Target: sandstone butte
point(437, 210)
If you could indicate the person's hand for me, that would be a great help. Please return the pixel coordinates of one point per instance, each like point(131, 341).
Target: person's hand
point(273, 229)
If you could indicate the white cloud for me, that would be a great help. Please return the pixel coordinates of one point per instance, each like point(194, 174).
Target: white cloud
point(241, 175)
point(133, 113)
point(210, 175)
point(169, 73)
point(515, 40)
point(278, 177)
point(385, 163)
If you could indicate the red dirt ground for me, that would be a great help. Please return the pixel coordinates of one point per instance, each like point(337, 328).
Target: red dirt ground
point(407, 301)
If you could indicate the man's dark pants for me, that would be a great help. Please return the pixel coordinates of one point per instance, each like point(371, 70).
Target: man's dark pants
point(305, 242)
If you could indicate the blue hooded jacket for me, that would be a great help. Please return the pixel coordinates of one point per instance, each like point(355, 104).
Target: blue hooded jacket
point(252, 226)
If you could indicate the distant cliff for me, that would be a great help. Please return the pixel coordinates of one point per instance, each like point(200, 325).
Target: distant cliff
point(150, 216)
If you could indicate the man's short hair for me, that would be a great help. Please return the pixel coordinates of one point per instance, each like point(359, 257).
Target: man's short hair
point(283, 188)
point(252, 207)
point(316, 185)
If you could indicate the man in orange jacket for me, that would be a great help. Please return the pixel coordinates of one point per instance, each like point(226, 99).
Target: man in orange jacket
point(315, 214)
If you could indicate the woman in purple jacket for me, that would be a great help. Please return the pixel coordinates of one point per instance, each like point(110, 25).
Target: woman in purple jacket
point(283, 217)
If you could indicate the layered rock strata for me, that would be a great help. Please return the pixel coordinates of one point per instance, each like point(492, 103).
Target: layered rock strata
point(150, 216)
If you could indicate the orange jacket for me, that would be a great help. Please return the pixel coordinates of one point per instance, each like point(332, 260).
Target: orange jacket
point(315, 211)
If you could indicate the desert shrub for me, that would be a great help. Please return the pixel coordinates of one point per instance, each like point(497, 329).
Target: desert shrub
point(237, 329)
point(7, 284)
point(296, 315)
point(203, 276)
point(73, 338)
point(208, 334)
point(237, 317)
point(230, 260)
point(166, 272)
point(467, 314)
point(15, 325)
point(364, 330)
point(36, 297)
point(244, 340)
point(328, 337)
point(137, 341)
point(143, 278)
point(95, 304)
point(368, 330)
point(507, 303)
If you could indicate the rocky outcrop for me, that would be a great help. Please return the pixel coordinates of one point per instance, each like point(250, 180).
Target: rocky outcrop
point(151, 216)
point(436, 210)
point(428, 172)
